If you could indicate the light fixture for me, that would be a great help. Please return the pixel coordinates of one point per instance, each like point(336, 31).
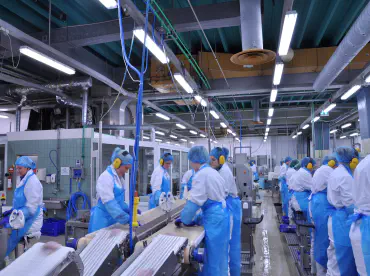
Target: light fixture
point(25, 50)
point(286, 35)
point(181, 126)
point(294, 136)
point(268, 122)
point(233, 133)
point(223, 125)
point(202, 135)
point(4, 117)
point(160, 132)
point(367, 80)
point(193, 132)
point(184, 140)
point(151, 45)
point(267, 129)
point(109, 4)
point(214, 114)
point(191, 142)
point(330, 107)
point(173, 136)
point(346, 125)
point(264, 140)
point(200, 100)
point(146, 137)
point(215, 142)
point(164, 117)
point(271, 112)
point(158, 140)
point(184, 84)
point(333, 131)
point(177, 145)
point(168, 142)
point(306, 126)
point(278, 72)
point(315, 119)
point(237, 139)
point(299, 133)
point(273, 95)
point(354, 134)
point(342, 137)
point(229, 131)
point(4, 109)
point(350, 92)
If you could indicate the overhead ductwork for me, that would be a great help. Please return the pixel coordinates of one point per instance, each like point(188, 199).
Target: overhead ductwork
point(251, 34)
point(256, 112)
point(356, 39)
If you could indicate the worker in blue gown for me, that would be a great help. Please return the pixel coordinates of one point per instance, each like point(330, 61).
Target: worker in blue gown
point(218, 162)
point(208, 195)
point(111, 207)
point(320, 210)
point(287, 191)
point(282, 179)
point(360, 229)
point(160, 180)
point(340, 186)
point(252, 163)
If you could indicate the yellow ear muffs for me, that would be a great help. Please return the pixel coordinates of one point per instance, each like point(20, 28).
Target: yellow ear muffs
point(221, 160)
point(331, 163)
point(309, 166)
point(161, 161)
point(117, 163)
point(354, 163)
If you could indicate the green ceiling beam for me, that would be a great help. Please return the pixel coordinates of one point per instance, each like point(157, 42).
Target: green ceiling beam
point(44, 13)
point(300, 99)
point(305, 23)
point(221, 33)
point(204, 41)
point(327, 18)
point(17, 21)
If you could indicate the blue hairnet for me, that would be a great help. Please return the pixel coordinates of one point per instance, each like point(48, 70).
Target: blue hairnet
point(306, 160)
point(287, 159)
point(294, 163)
point(217, 152)
point(198, 154)
point(125, 157)
point(25, 161)
point(281, 162)
point(167, 156)
point(346, 154)
point(252, 162)
point(328, 158)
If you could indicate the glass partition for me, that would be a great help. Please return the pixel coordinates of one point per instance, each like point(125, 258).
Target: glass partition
point(176, 172)
point(184, 163)
point(2, 166)
point(145, 170)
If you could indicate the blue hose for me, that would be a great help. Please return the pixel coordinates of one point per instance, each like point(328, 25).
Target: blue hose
point(51, 159)
point(72, 206)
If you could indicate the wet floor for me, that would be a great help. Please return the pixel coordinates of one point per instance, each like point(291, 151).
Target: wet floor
point(272, 254)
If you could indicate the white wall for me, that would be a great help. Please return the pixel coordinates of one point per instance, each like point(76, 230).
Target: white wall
point(8, 125)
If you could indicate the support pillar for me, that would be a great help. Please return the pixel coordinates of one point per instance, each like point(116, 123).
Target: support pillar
point(301, 146)
point(363, 102)
point(322, 139)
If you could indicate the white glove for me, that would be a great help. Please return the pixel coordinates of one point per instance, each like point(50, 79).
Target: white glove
point(17, 219)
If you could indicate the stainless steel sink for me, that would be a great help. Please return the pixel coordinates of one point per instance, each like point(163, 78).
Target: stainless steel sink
point(55, 203)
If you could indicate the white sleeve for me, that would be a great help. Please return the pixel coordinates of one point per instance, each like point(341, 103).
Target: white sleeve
point(346, 191)
point(307, 182)
point(186, 177)
point(156, 180)
point(198, 193)
point(104, 187)
point(283, 170)
point(33, 193)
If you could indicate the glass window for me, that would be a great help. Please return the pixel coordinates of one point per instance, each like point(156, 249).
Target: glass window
point(184, 163)
point(176, 172)
point(2, 174)
point(145, 170)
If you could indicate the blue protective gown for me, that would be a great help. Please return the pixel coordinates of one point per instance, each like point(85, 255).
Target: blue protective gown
point(165, 187)
point(284, 194)
point(302, 199)
point(19, 203)
point(113, 211)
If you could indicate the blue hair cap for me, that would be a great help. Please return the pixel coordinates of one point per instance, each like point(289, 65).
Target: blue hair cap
point(25, 161)
point(198, 154)
point(125, 157)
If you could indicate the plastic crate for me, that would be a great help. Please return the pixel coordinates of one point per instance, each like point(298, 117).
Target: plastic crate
point(53, 227)
point(285, 219)
point(287, 228)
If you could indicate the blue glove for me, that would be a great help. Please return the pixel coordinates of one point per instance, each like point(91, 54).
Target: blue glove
point(4, 221)
point(7, 213)
point(138, 212)
point(179, 223)
point(115, 210)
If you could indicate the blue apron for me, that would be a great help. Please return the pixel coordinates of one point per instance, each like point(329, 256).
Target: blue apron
point(302, 199)
point(189, 185)
point(165, 187)
point(321, 210)
point(19, 202)
point(235, 206)
point(100, 218)
point(284, 194)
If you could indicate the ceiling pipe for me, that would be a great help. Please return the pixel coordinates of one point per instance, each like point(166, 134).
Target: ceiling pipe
point(356, 39)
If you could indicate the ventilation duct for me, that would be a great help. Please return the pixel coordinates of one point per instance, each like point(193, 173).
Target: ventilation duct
point(256, 112)
point(356, 38)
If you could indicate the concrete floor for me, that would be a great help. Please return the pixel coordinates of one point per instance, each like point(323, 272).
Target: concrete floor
point(272, 253)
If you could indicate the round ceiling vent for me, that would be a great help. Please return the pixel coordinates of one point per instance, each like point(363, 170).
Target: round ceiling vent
point(253, 57)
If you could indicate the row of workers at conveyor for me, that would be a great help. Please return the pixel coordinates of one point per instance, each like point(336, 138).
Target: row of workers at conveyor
point(336, 199)
point(212, 202)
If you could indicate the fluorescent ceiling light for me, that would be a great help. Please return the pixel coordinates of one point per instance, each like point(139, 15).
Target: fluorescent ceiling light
point(4, 117)
point(294, 136)
point(184, 84)
point(4, 109)
point(173, 136)
point(350, 92)
point(237, 139)
point(109, 4)
point(200, 100)
point(306, 126)
point(177, 145)
point(25, 50)
point(223, 125)
point(160, 133)
point(181, 126)
point(191, 142)
point(202, 135)
point(316, 119)
point(287, 33)
point(146, 137)
point(267, 129)
point(354, 134)
point(346, 125)
point(342, 137)
point(367, 79)
point(151, 45)
point(278, 72)
point(214, 114)
point(193, 132)
point(268, 122)
point(271, 112)
point(233, 133)
point(299, 133)
point(330, 107)
point(168, 142)
point(184, 140)
point(264, 140)
point(164, 117)
point(158, 140)
point(273, 95)
point(333, 131)
point(229, 131)
point(215, 142)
